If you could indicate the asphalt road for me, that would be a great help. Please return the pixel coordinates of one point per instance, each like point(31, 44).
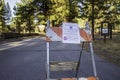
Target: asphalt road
point(26, 60)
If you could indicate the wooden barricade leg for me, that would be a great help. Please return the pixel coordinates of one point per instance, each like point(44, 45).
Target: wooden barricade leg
point(48, 54)
point(77, 69)
point(48, 62)
point(93, 59)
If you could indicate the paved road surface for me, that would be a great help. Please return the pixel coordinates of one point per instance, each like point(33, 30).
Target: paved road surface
point(25, 60)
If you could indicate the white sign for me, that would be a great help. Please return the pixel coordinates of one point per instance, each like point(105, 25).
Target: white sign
point(71, 33)
point(105, 31)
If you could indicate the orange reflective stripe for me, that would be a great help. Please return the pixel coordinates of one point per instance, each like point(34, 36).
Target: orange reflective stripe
point(85, 36)
point(48, 39)
point(68, 79)
point(58, 31)
point(91, 78)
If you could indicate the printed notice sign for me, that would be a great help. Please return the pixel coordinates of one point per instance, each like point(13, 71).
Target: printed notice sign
point(70, 33)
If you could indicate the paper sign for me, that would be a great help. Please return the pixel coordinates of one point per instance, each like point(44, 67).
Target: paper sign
point(70, 33)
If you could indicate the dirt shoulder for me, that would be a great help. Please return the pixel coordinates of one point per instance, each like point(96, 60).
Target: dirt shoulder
point(109, 50)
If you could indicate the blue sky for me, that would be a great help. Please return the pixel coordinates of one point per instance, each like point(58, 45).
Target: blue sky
point(12, 3)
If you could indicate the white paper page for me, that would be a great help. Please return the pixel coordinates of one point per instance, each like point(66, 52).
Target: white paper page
point(70, 33)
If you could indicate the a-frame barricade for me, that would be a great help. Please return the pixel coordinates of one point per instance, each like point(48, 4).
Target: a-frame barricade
point(55, 34)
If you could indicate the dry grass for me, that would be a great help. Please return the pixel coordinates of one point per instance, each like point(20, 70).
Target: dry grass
point(109, 50)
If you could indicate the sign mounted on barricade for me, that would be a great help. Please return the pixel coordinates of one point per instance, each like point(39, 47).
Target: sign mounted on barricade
point(70, 33)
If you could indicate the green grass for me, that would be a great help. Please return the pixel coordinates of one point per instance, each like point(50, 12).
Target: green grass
point(110, 50)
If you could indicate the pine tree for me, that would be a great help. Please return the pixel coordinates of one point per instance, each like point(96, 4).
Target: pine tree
point(24, 13)
point(2, 19)
point(8, 14)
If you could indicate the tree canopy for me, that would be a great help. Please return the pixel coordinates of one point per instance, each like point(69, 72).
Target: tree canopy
point(29, 13)
point(5, 16)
